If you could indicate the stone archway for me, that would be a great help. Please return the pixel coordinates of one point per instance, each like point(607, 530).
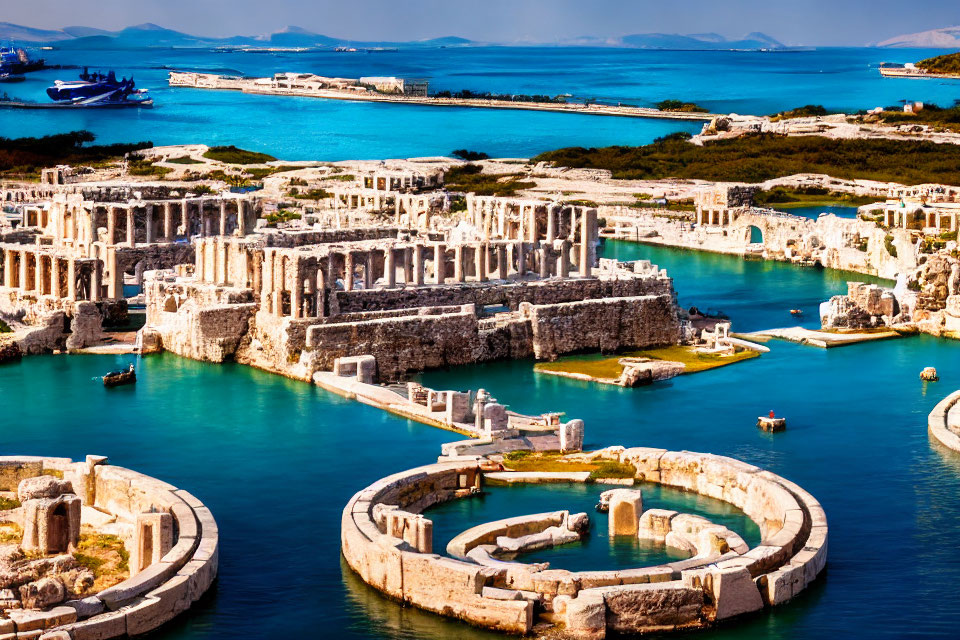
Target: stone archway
point(755, 234)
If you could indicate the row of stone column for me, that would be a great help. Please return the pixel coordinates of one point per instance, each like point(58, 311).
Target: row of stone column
point(40, 273)
point(715, 217)
point(161, 221)
point(506, 219)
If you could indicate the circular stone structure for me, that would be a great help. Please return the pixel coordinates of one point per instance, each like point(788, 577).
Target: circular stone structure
point(944, 421)
point(388, 542)
point(170, 536)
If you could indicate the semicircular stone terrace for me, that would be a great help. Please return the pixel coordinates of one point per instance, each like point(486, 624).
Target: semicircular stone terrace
point(944, 421)
point(170, 537)
point(386, 539)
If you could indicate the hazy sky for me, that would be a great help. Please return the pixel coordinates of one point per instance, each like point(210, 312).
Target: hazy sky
point(813, 22)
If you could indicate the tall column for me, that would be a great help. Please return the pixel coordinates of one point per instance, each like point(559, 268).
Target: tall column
point(131, 230)
point(481, 255)
point(458, 263)
point(222, 262)
point(168, 233)
point(544, 261)
point(502, 271)
point(440, 264)
point(564, 269)
point(348, 271)
point(24, 271)
point(551, 223)
point(390, 268)
point(242, 213)
point(296, 295)
point(55, 277)
point(149, 212)
point(586, 261)
point(72, 278)
point(185, 217)
point(521, 259)
point(111, 225)
point(8, 269)
point(532, 225)
point(418, 264)
point(114, 279)
point(91, 230)
point(223, 217)
point(199, 250)
point(368, 276)
point(407, 265)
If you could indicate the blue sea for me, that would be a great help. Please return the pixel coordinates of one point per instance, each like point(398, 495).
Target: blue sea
point(312, 129)
point(277, 459)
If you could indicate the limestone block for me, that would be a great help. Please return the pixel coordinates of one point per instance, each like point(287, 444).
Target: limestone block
point(732, 591)
point(645, 575)
point(645, 460)
point(39, 620)
point(42, 593)
point(626, 505)
point(101, 627)
point(42, 487)
point(647, 607)
point(655, 524)
point(586, 615)
point(495, 593)
point(55, 635)
point(86, 607)
point(594, 579)
point(571, 436)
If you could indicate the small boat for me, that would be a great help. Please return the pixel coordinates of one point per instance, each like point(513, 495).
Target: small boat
point(121, 377)
point(929, 374)
point(6, 76)
point(796, 312)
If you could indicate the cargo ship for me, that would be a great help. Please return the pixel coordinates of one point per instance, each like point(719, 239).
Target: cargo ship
point(97, 89)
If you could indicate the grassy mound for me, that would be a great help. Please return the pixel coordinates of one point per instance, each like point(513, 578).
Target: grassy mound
point(232, 155)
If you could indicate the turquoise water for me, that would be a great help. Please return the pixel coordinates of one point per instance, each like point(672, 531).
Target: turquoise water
point(276, 460)
point(310, 129)
point(814, 212)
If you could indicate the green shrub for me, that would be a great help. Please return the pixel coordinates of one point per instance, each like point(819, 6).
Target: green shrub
point(232, 155)
point(888, 243)
point(184, 160)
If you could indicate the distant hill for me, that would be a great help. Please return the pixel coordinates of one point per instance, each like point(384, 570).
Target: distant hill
point(152, 35)
point(949, 63)
point(945, 38)
point(705, 41)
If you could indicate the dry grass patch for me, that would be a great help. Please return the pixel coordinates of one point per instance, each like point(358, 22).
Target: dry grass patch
point(556, 461)
point(598, 366)
point(106, 557)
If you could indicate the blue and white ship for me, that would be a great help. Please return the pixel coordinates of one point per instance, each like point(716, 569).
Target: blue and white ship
point(99, 90)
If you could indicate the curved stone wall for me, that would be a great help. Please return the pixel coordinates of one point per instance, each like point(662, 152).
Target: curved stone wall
point(939, 424)
point(587, 604)
point(153, 595)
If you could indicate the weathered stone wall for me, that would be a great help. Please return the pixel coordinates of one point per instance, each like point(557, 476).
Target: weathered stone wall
point(683, 594)
point(150, 598)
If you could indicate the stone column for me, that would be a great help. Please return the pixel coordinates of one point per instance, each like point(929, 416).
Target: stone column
point(532, 225)
point(223, 217)
point(390, 268)
point(222, 259)
point(198, 250)
point(440, 264)
point(348, 271)
point(418, 264)
point(458, 263)
point(407, 265)
point(114, 280)
point(91, 230)
point(72, 279)
point(23, 271)
point(502, 262)
point(96, 285)
point(149, 212)
point(55, 277)
point(242, 213)
point(544, 261)
point(38, 273)
point(8, 268)
point(111, 225)
point(296, 295)
point(551, 223)
point(586, 263)
point(521, 259)
point(565, 259)
point(168, 233)
point(482, 255)
point(185, 217)
point(368, 276)
point(131, 230)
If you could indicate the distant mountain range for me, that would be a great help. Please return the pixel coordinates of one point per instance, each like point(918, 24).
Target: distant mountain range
point(152, 35)
point(945, 38)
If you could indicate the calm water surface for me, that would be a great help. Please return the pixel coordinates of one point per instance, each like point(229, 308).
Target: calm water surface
point(276, 460)
point(311, 129)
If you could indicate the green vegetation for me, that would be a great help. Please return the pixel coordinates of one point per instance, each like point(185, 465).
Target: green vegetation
point(764, 156)
point(458, 203)
point(312, 194)
point(469, 156)
point(931, 114)
point(949, 63)
point(8, 503)
point(806, 111)
point(466, 94)
point(232, 155)
point(138, 166)
point(105, 556)
point(808, 197)
point(470, 178)
point(888, 243)
point(283, 215)
point(184, 160)
point(259, 173)
point(609, 367)
point(201, 190)
point(347, 177)
point(10, 533)
point(680, 105)
point(581, 203)
point(23, 158)
point(556, 461)
point(5, 328)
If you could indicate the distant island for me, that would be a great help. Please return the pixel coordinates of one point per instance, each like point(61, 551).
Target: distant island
point(948, 64)
point(944, 38)
point(152, 35)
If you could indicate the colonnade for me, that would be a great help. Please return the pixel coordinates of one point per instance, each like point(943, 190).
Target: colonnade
point(530, 220)
point(717, 217)
point(38, 271)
